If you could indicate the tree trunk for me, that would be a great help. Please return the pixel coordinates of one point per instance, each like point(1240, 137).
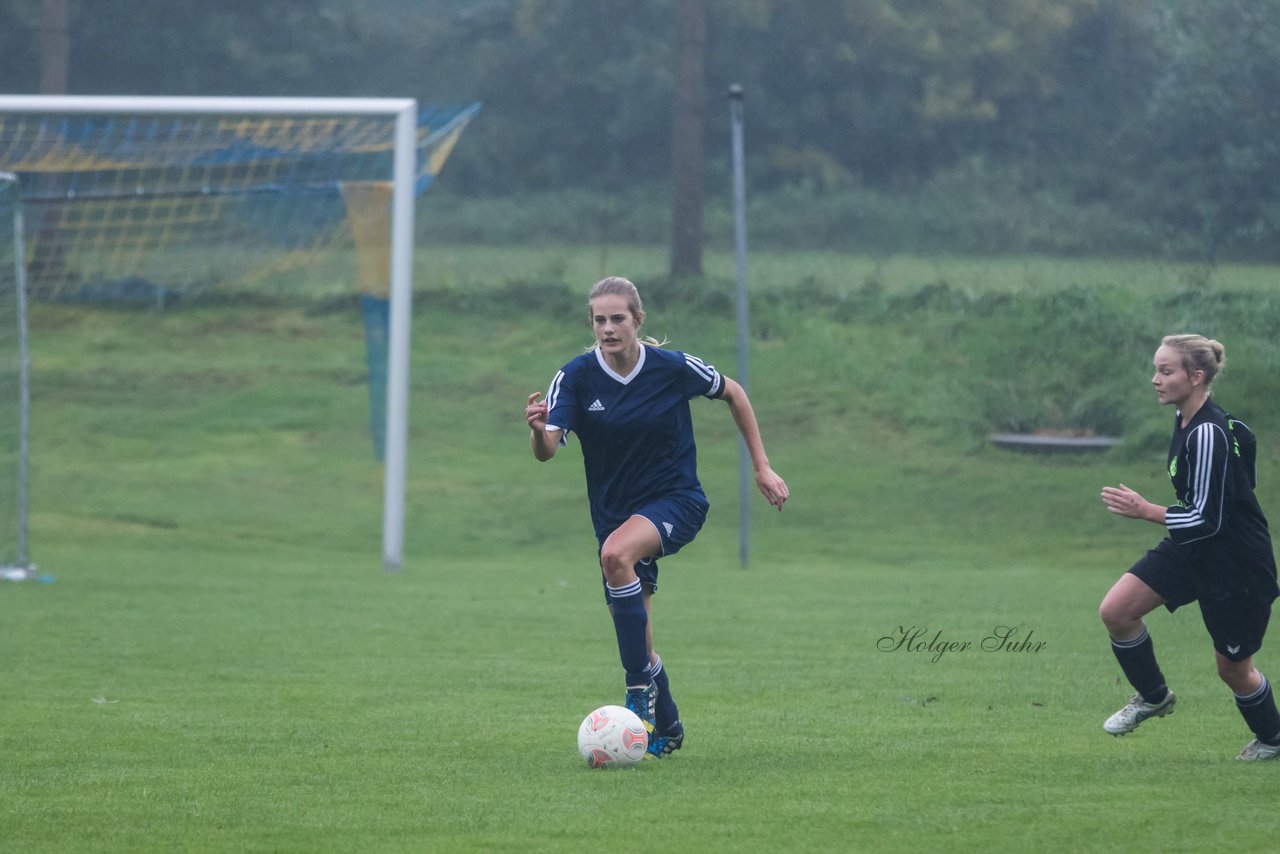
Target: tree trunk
point(48, 263)
point(688, 118)
point(55, 47)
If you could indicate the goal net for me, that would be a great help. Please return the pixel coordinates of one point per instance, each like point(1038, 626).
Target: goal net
point(173, 200)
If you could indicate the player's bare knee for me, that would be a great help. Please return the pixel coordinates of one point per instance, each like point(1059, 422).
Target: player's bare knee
point(1118, 619)
point(1238, 675)
point(1104, 613)
point(615, 565)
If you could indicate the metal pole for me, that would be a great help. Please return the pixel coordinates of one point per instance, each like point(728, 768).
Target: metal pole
point(740, 242)
point(394, 485)
point(22, 568)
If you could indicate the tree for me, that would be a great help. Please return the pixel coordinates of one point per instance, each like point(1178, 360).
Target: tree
point(687, 154)
point(1213, 131)
point(884, 92)
point(55, 47)
point(576, 92)
point(55, 65)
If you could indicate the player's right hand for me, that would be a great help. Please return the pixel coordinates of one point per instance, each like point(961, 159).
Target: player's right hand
point(535, 412)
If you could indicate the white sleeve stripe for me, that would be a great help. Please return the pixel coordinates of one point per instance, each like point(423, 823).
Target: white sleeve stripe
point(1193, 516)
point(1199, 476)
point(1204, 462)
point(707, 372)
point(553, 393)
point(699, 366)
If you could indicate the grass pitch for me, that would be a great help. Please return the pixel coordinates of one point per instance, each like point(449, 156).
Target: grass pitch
point(221, 664)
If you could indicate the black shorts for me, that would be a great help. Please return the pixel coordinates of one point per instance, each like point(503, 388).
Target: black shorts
point(1236, 622)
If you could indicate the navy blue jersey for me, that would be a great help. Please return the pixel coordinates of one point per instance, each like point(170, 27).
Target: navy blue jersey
point(636, 431)
point(1217, 517)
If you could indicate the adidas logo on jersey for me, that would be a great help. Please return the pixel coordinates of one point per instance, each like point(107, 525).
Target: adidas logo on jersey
point(667, 525)
point(596, 407)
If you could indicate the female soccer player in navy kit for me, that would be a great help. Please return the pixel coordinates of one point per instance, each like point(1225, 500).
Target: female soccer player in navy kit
point(1217, 552)
point(627, 399)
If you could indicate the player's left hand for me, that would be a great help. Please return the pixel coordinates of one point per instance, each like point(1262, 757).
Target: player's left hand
point(772, 487)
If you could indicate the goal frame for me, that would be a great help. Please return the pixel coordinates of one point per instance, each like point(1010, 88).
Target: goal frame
point(404, 174)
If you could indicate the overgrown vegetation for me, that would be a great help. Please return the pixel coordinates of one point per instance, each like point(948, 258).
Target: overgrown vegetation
point(949, 358)
point(989, 214)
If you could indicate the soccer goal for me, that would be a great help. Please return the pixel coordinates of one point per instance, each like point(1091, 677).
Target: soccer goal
point(173, 199)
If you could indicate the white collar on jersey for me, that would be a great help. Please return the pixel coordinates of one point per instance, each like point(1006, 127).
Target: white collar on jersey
point(604, 366)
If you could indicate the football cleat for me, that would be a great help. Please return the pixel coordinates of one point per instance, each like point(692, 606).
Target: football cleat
point(1137, 711)
point(667, 742)
point(1253, 751)
point(643, 699)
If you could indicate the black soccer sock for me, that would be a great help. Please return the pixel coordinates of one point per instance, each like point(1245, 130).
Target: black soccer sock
point(630, 622)
point(667, 713)
point(1259, 712)
point(1137, 659)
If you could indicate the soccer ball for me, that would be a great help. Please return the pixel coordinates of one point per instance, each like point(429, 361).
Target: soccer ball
point(612, 737)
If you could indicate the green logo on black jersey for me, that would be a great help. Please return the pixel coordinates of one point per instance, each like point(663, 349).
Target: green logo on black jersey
point(1173, 467)
point(1235, 443)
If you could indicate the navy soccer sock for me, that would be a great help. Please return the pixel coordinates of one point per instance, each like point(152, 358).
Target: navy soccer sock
point(1137, 659)
point(1259, 712)
point(667, 713)
point(630, 622)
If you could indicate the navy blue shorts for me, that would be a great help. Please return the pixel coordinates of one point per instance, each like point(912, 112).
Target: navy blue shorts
point(677, 518)
point(1236, 622)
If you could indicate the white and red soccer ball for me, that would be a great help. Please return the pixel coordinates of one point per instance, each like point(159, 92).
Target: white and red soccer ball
point(612, 737)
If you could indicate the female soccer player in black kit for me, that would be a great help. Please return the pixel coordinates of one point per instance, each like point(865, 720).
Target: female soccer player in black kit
point(1217, 552)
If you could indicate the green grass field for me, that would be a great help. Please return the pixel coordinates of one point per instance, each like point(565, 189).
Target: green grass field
point(221, 663)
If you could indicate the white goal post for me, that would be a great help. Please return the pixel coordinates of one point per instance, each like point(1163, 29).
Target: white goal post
point(19, 568)
point(405, 173)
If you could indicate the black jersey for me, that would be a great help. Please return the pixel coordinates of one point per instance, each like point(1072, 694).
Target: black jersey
point(1217, 517)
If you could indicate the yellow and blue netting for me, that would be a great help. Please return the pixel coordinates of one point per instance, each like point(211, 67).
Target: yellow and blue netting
point(182, 204)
